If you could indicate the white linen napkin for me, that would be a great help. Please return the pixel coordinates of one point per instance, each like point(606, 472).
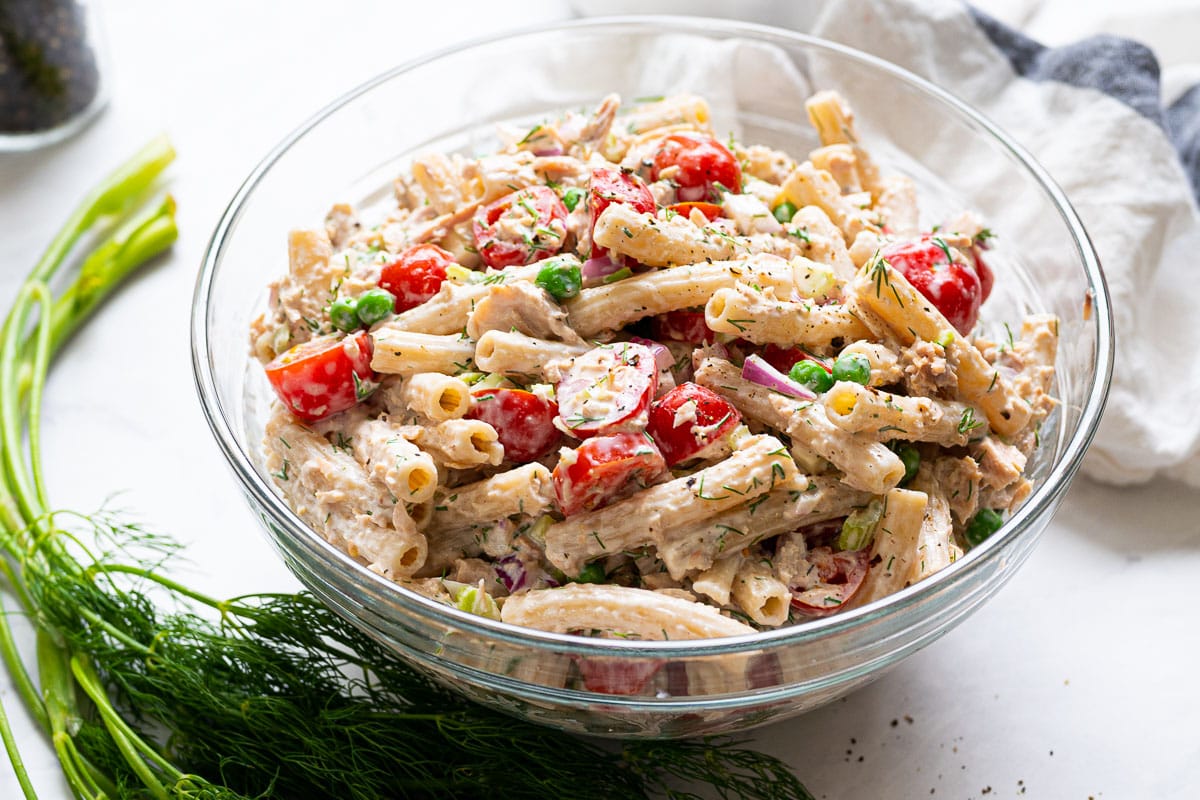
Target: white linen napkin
point(1091, 114)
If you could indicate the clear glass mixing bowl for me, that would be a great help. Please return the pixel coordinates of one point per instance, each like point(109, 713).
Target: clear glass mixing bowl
point(755, 79)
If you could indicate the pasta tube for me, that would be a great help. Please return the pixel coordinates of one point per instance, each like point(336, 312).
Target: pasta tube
point(615, 305)
point(398, 352)
point(885, 293)
point(620, 609)
point(435, 396)
point(759, 464)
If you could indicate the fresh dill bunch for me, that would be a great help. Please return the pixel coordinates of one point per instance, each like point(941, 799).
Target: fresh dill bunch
point(281, 697)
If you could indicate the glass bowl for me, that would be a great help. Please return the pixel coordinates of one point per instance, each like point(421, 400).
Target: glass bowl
point(756, 80)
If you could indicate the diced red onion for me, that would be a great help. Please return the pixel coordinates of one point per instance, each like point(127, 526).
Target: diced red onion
point(543, 152)
point(595, 270)
point(511, 572)
point(756, 370)
point(662, 356)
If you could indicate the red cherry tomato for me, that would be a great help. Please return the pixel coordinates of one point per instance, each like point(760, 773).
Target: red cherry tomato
point(684, 325)
point(621, 676)
point(523, 420)
point(987, 278)
point(416, 275)
point(839, 576)
point(323, 376)
point(596, 471)
point(520, 228)
point(952, 286)
point(700, 162)
point(688, 419)
point(608, 186)
point(711, 211)
point(608, 389)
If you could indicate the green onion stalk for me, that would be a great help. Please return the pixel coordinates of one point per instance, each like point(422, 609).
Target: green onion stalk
point(147, 689)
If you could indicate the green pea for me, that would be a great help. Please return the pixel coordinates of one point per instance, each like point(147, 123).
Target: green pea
point(591, 573)
point(985, 522)
point(811, 374)
point(910, 457)
point(375, 305)
point(343, 313)
point(562, 280)
point(854, 367)
point(572, 196)
point(785, 211)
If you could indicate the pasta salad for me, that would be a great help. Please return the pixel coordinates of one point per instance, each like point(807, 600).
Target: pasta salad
point(624, 378)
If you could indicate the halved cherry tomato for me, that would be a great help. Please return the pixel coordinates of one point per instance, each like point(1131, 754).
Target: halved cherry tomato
point(608, 389)
point(688, 419)
point(523, 420)
point(683, 325)
point(784, 358)
point(608, 186)
point(711, 211)
point(621, 676)
point(595, 472)
point(324, 375)
point(952, 286)
point(520, 228)
point(697, 163)
point(416, 275)
point(987, 278)
point(839, 576)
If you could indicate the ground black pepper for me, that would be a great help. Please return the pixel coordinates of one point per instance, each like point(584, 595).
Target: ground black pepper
point(48, 70)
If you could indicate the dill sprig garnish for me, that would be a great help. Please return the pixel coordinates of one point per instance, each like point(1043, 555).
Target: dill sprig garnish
point(149, 689)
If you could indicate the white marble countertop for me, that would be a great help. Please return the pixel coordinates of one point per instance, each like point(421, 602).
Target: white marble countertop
point(1076, 681)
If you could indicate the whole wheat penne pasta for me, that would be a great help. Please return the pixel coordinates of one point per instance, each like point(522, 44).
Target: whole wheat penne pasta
point(461, 443)
point(435, 396)
point(398, 352)
point(759, 463)
point(392, 552)
point(822, 242)
point(834, 121)
point(762, 319)
point(867, 464)
point(523, 490)
point(809, 186)
point(408, 473)
point(936, 548)
point(800, 501)
point(603, 308)
point(760, 594)
point(620, 609)
point(663, 242)
point(895, 548)
point(716, 582)
point(887, 294)
point(839, 161)
point(678, 110)
point(885, 416)
point(512, 353)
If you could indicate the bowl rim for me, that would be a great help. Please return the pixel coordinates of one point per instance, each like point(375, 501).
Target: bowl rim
point(1044, 498)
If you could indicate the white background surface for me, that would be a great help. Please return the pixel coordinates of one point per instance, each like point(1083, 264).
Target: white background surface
point(1076, 681)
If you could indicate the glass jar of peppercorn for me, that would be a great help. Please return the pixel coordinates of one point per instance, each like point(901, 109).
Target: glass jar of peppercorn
point(50, 77)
